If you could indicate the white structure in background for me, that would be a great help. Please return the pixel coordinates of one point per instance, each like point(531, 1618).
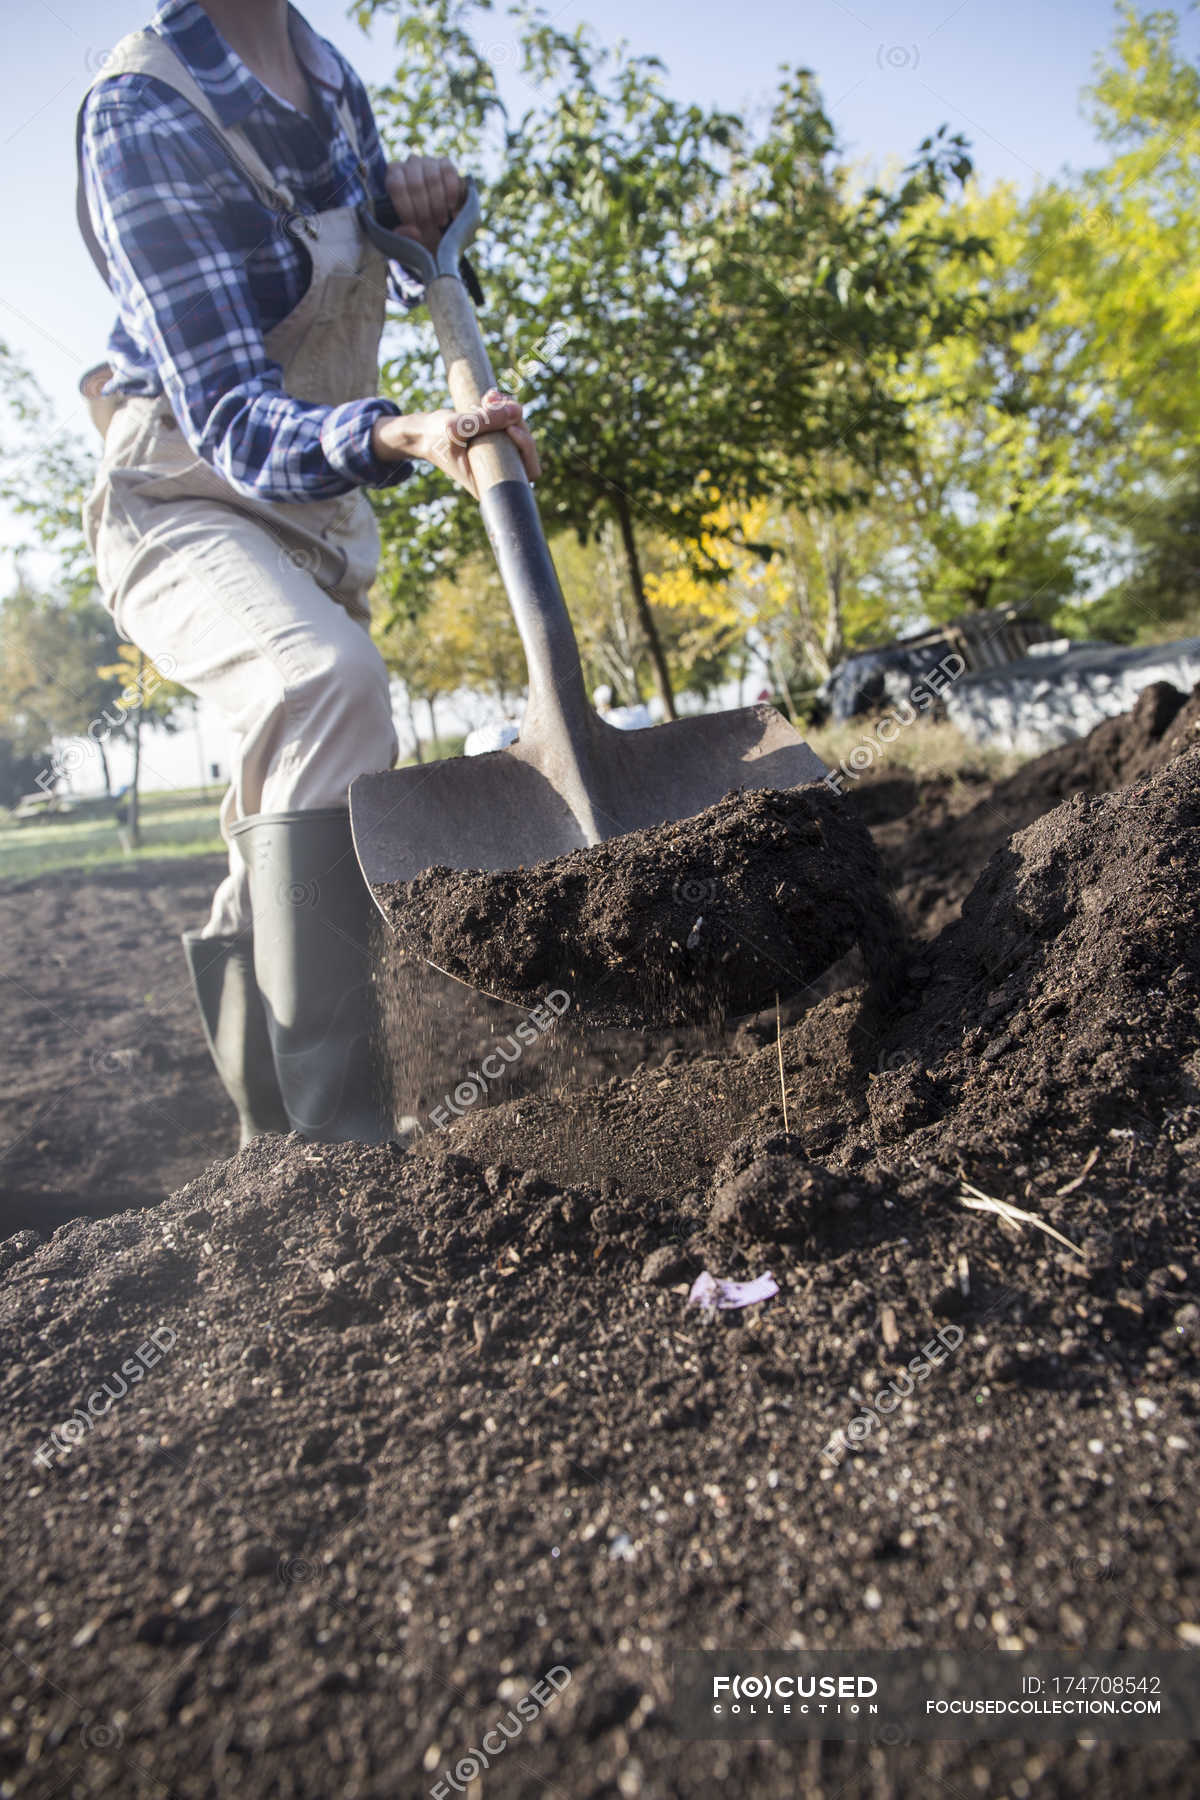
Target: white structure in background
point(625, 718)
point(503, 732)
point(1060, 690)
point(484, 738)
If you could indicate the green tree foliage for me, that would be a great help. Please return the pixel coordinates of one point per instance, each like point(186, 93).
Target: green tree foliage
point(680, 301)
point(51, 655)
point(146, 695)
point(1125, 242)
point(45, 472)
point(990, 495)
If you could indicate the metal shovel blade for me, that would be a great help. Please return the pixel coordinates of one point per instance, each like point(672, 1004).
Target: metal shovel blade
point(571, 780)
point(520, 806)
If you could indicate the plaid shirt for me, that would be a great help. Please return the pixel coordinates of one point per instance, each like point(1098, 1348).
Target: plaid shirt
point(201, 270)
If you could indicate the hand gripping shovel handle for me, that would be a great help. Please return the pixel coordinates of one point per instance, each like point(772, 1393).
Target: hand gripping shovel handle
point(557, 702)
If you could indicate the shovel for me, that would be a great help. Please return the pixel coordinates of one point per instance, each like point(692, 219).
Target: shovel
point(570, 780)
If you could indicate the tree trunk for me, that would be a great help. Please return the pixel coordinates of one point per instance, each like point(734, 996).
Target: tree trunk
point(434, 741)
point(662, 674)
point(412, 724)
point(134, 824)
point(833, 640)
point(105, 767)
point(811, 637)
point(781, 683)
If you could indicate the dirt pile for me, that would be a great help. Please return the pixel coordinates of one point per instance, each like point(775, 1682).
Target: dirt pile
point(412, 1434)
point(1064, 1009)
point(935, 837)
point(410, 1431)
point(1161, 725)
point(687, 922)
point(1060, 1015)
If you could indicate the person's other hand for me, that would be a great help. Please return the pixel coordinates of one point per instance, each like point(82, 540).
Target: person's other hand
point(444, 438)
point(426, 192)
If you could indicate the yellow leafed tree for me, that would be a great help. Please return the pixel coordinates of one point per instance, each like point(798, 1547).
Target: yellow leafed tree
point(796, 586)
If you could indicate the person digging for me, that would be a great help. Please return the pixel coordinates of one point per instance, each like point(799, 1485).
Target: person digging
point(225, 152)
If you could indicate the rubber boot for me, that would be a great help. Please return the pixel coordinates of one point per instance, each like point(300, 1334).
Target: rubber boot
point(312, 913)
point(235, 1026)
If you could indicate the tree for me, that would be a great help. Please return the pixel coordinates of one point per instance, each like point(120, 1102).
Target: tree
point(19, 770)
point(146, 693)
point(1129, 237)
point(612, 641)
point(462, 635)
point(64, 674)
point(1125, 245)
point(991, 497)
point(45, 473)
point(807, 591)
point(51, 654)
point(668, 286)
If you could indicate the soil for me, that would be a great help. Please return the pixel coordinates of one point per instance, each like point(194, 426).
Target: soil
point(421, 1426)
point(108, 1098)
point(936, 836)
point(686, 923)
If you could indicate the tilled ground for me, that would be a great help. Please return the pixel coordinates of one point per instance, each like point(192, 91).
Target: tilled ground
point(414, 1429)
point(108, 1098)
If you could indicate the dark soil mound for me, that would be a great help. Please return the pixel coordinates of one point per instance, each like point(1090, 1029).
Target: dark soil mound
point(1064, 1009)
point(1062, 1013)
point(413, 1434)
point(691, 921)
point(1163, 723)
point(935, 838)
point(410, 1431)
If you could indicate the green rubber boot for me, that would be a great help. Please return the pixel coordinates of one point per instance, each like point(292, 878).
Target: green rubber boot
point(235, 1026)
point(312, 915)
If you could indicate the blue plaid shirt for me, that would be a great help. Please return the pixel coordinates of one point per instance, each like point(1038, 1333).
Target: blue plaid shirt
point(201, 270)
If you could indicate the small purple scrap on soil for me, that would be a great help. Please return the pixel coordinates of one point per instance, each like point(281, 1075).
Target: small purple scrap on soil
point(712, 1291)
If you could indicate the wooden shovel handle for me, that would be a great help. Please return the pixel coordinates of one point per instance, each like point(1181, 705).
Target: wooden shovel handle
point(495, 457)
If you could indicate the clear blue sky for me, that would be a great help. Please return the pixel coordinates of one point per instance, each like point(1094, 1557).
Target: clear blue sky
point(1009, 76)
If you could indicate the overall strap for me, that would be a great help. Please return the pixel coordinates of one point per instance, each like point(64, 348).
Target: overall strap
point(145, 53)
point(346, 115)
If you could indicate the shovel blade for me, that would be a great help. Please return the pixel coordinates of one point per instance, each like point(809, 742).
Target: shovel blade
point(520, 806)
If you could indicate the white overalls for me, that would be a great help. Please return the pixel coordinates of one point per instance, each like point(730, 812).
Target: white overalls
point(260, 605)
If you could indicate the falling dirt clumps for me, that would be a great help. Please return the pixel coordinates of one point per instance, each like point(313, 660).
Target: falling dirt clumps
point(686, 922)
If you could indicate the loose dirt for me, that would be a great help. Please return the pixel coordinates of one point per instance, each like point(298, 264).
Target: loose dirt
point(108, 1097)
point(688, 922)
point(430, 1424)
point(936, 836)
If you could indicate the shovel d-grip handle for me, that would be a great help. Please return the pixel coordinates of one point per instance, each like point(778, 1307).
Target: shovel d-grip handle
point(558, 709)
point(494, 458)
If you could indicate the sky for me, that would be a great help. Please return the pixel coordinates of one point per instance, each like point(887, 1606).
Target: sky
point(1008, 77)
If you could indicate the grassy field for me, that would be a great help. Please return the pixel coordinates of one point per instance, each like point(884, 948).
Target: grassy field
point(923, 750)
point(181, 822)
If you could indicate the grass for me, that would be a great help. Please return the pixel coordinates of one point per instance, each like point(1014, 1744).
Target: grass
point(181, 822)
point(923, 749)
